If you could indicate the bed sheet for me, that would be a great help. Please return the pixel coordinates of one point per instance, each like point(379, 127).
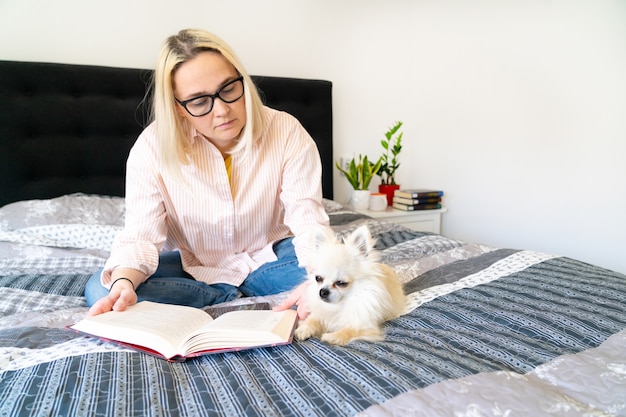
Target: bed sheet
point(482, 324)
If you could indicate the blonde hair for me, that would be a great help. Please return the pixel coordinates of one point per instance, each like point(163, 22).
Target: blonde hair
point(173, 132)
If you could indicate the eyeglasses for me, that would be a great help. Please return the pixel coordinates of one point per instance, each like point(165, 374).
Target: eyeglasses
point(201, 105)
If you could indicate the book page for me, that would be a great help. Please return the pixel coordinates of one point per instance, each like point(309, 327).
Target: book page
point(146, 324)
point(260, 321)
point(245, 329)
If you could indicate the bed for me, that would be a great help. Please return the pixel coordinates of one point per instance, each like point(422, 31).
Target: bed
point(487, 331)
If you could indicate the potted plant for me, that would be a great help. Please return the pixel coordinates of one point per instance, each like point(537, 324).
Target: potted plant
point(392, 145)
point(359, 174)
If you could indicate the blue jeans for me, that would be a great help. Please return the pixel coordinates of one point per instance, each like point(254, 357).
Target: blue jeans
point(171, 285)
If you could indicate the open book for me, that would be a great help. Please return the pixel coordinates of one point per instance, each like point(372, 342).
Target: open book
point(178, 332)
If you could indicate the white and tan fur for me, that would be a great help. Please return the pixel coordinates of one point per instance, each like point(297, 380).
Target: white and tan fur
point(350, 293)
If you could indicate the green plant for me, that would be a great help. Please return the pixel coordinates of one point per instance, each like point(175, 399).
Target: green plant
point(360, 173)
point(389, 159)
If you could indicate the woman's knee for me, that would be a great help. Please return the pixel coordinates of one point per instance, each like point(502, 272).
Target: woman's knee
point(273, 278)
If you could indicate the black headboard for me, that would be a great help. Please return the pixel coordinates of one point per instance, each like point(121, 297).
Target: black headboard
point(68, 128)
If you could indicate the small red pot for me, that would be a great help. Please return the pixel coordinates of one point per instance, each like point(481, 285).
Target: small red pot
point(388, 190)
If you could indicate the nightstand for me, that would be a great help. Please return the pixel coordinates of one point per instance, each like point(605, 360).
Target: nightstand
point(419, 220)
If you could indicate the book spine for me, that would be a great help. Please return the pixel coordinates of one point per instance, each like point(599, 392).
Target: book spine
point(413, 201)
point(412, 207)
point(418, 195)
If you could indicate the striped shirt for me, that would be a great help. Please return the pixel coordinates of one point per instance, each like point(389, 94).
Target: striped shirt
point(223, 230)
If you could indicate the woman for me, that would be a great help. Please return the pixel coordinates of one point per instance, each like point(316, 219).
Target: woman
point(221, 191)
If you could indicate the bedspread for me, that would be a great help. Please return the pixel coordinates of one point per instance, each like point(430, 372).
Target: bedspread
point(488, 331)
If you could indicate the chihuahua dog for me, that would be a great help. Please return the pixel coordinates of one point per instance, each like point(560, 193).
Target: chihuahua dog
point(350, 293)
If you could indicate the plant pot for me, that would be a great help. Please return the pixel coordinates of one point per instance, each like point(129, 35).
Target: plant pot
point(378, 202)
point(388, 190)
point(360, 199)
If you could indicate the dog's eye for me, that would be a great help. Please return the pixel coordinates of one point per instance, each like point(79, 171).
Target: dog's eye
point(318, 278)
point(341, 284)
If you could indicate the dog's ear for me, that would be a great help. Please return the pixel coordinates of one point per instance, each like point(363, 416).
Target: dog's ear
point(362, 240)
point(322, 236)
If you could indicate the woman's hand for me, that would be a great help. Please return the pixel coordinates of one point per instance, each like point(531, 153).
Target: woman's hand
point(121, 295)
point(296, 297)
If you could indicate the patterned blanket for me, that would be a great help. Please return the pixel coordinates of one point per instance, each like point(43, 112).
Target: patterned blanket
point(489, 331)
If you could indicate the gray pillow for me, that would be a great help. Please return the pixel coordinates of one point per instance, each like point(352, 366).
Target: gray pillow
point(69, 209)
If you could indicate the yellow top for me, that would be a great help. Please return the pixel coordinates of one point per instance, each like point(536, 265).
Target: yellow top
point(229, 166)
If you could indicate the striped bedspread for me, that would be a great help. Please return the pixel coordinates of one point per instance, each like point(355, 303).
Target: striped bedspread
point(489, 331)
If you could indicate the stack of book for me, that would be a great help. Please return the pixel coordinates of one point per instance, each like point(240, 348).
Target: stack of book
point(417, 199)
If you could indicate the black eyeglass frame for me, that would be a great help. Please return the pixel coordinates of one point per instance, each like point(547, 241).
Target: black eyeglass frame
point(213, 97)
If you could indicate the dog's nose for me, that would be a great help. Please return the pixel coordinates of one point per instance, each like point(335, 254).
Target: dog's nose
point(324, 292)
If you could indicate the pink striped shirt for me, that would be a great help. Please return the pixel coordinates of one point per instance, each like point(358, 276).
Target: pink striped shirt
point(223, 230)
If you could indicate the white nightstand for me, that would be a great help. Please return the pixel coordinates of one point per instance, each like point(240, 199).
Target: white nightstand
point(419, 220)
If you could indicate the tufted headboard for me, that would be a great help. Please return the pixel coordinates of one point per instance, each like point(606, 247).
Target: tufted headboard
point(68, 128)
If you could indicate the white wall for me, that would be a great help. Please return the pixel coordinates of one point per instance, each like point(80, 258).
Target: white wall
point(517, 109)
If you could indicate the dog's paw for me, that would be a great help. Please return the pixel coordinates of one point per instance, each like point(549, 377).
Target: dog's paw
point(345, 336)
point(336, 338)
point(303, 332)
point(306, 329)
